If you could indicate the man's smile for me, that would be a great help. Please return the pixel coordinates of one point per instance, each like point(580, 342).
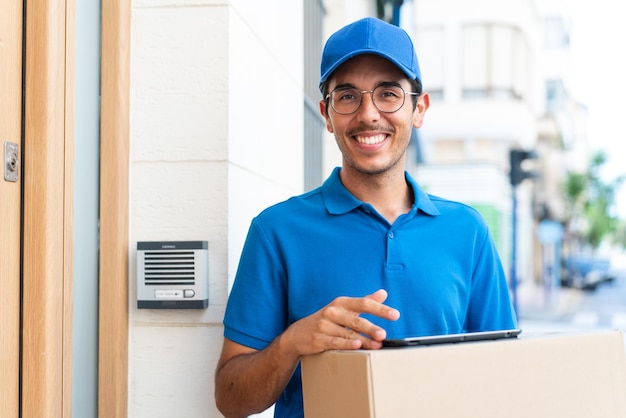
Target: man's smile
point(370, 139)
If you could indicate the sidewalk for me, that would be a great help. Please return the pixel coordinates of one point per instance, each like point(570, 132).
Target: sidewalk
point(534, 302)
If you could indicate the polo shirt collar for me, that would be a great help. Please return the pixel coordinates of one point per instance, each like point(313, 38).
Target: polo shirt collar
point(339, 200)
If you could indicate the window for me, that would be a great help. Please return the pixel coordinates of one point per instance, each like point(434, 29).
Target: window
point(494, 62)
point(555, 95)
point(555, 33)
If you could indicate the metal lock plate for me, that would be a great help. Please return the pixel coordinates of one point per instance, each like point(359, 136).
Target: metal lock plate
point(11, 161)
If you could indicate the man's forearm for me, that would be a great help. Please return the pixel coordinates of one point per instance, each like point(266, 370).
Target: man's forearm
point(250, 383)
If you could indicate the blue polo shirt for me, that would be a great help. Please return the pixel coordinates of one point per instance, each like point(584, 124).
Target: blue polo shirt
point(438, 264)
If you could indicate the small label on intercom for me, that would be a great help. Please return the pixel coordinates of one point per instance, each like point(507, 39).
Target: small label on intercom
point(168, 294)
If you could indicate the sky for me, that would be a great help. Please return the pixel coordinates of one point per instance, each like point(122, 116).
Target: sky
point(599, 79)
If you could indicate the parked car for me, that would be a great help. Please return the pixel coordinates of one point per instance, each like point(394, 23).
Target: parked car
point(586, 272)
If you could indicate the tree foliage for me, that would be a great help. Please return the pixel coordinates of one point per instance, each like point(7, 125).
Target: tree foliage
point(591, 202)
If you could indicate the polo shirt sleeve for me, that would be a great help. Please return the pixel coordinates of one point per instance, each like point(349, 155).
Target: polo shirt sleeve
point(490, 306)
point(256, 311)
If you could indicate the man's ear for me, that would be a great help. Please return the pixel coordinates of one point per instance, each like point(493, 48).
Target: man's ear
point(423, 103)
point(324, 113)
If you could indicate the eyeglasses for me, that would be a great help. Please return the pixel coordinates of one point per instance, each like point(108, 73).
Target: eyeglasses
point(386, 98)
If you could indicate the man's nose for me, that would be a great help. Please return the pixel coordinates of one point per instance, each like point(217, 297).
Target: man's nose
point(368, 109)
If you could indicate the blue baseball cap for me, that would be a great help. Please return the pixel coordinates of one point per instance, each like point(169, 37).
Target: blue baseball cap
point(370, 36)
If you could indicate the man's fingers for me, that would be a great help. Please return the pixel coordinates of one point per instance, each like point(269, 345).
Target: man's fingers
point(379, 296)
point(373, 304)
point(340, 324)
point(362, 329)
point(350, 334)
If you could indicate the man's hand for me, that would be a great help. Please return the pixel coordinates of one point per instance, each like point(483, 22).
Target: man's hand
point(339, 326)
point(249, 381)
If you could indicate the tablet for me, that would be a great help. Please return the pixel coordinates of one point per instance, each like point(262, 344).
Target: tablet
point(452, 338)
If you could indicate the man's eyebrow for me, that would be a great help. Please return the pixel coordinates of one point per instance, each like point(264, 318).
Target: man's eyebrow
point(345, 86)
point(389, 83)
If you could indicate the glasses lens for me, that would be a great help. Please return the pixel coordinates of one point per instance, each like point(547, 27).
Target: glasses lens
point(347, 100)
point(388, 98)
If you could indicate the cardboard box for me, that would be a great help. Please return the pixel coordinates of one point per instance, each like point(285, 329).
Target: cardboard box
point(555, 375)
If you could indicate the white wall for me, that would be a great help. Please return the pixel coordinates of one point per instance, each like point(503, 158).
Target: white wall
point(216, 136)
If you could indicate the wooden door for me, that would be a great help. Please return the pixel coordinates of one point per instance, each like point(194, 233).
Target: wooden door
point(36, 113)
point(47, 202)
point(36, 103)
point(10, 204)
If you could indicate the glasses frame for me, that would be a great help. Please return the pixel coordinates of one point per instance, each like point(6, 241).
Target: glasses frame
point(371, 92)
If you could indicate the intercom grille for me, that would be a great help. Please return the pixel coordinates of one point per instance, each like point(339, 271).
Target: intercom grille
point(166, 268)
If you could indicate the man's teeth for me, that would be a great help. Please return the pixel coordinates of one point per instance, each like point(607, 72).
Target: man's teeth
point(370, 140)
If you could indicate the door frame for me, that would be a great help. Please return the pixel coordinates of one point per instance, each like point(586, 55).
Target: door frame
point(114, 189)
point(47, 217)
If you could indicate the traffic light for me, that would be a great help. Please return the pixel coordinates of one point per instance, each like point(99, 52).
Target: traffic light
point(517, 173)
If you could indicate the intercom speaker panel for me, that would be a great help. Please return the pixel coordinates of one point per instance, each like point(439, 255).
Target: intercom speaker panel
point(172, 274)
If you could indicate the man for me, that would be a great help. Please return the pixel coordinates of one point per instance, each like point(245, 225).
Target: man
point(366, 256)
